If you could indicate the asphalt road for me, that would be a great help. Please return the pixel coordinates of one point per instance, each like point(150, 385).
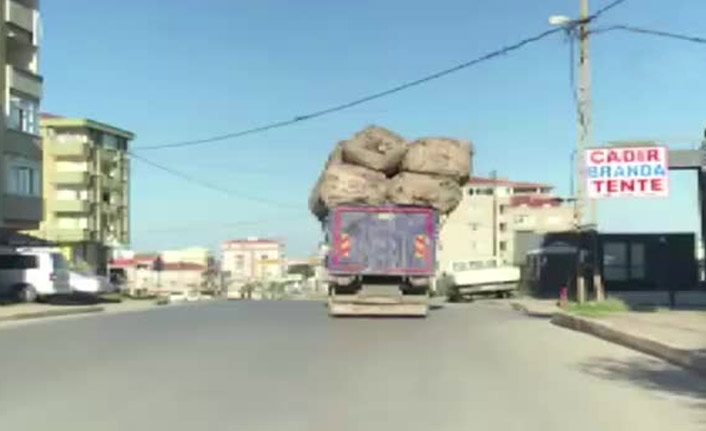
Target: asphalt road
point(287, 366)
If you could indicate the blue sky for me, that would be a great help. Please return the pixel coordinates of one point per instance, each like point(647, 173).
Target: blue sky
point(197, 68)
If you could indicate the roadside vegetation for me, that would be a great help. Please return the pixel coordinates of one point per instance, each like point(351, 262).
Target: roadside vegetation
point(597, 309)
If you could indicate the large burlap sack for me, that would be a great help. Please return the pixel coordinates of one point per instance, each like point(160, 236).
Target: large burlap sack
point(336, 156)
point(316, 205)
point(439, 192)
point(439, 156)
point(347, 184)
point(375, 148)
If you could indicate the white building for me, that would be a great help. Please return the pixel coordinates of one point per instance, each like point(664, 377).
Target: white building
point(491, 211)
point(253, 259)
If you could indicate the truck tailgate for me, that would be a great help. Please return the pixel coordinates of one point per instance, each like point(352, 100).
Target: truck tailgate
point(382, 241)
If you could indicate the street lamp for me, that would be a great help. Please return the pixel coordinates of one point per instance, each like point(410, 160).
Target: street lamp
point(560, 20)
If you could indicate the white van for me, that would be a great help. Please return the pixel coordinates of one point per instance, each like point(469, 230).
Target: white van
point(30, 274)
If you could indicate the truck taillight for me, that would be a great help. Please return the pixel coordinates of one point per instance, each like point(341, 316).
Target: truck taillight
point(344, 245)
point(420, 246)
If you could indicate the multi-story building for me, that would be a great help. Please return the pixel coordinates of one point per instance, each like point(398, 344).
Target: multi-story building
point(253, 259)
point(86, 175)
point(492, 211)
point(20, 94)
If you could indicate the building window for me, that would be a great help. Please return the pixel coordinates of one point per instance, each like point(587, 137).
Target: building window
point(263, 257)
point(23, 177)
point(502, 245)
point(110, 141)
point(239, 262)
point(23, 115)
point(503, 227)
point(615, 258)
point(474, 226)
point(637, 261)
point(501, 209)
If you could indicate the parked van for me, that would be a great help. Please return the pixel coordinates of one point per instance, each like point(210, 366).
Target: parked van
point(30, 274)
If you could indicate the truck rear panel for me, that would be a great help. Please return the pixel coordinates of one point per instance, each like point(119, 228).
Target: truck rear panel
point(382, 240)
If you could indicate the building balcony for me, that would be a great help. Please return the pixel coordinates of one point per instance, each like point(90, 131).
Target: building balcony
point(72, 178)
point(68, 235)
point(113, 183)
point(22, 212)
point(24, 81)
point(19, 14)
point(71, 206)
point(71, 148)
point(23, 144)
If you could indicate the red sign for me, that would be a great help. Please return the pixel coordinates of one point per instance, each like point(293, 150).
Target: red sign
point(627, 172)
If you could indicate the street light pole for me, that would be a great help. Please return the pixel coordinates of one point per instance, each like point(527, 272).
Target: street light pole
point(579, 27)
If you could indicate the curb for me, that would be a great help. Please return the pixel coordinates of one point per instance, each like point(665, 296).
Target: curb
point(676, 356)
point(523, 309)
point(50, 313)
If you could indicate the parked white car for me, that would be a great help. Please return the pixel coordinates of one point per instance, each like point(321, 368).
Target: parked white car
point(29, 274)
point(90, 283)
point(184, 296)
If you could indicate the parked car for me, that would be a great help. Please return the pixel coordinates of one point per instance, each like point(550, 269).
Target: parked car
point(29, 274)
point(90, 283)
point(184, 296)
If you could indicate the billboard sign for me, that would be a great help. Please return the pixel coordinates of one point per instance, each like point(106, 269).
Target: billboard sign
point(618, 172)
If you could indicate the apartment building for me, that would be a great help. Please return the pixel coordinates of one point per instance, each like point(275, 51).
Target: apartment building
point(86, 175)
point(253, 259)
point(20, 95)
point(492, 211)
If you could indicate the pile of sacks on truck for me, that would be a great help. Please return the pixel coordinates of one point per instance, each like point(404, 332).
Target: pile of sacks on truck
point(377, 166)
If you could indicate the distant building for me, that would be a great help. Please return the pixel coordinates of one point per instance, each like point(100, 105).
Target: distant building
point(253, 259)
point(196, 255)
point(21, 89)
point(140, 276)
point(86, 182)
point(492, 211)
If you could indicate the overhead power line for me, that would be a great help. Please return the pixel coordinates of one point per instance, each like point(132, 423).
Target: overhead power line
point(641, 30)
point(605, 9)
point(214, 187)
point(299, 118)
point(279, 124)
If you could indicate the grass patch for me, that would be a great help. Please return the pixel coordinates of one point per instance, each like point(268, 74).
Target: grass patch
point(597, 309)
point(112, 297)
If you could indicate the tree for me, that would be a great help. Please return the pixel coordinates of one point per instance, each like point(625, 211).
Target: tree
point(306, 270)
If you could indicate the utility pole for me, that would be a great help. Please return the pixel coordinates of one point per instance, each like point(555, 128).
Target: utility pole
point(583, 140)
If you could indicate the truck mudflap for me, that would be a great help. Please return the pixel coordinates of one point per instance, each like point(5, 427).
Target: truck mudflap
point(359, 305)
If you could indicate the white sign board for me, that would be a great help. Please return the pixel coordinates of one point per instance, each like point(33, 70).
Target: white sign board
point(627, 172)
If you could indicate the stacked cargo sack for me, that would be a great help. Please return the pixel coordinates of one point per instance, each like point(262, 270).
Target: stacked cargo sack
point(377, 166)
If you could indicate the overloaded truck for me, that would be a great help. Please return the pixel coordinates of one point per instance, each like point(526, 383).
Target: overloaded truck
point(379, 198)
point(381, 259)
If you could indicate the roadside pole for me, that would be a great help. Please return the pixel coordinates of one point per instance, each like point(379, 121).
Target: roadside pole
point(584, 140)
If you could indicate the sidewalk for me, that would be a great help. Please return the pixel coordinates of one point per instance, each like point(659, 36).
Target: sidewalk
point(11, 312)
point(676, 336)
point(15, 312)
point(545, 308)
